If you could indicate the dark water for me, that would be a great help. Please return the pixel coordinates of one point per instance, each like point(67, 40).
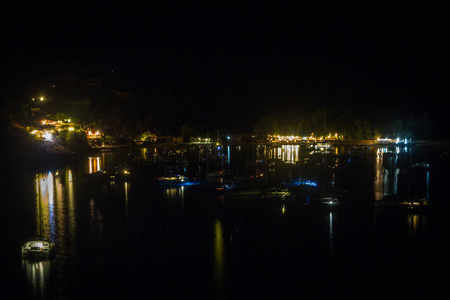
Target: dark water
point(131, 239)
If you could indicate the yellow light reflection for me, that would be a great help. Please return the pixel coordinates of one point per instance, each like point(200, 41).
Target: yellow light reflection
point(285, 153)
point(219, 257)
point(171, 193)
point(45, 221)
point(379, 180)
point(55, 207)
point(175, 195)
point(94, 164)
point(126, 188)
point(290, 153)
point(71, 203)
point(415, 223)
point(37, 274)
point(385, 182)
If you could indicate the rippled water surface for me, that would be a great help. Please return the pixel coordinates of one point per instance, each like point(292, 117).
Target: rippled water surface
point(131, 238)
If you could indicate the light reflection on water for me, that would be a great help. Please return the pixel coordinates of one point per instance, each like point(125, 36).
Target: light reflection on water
point(55, 220)
point(286, 153)
point(95, 164)
point(96, 226)
point(175, 195)
point(68, 214)
point(416, 224)
point(386, 174)
point(219, 257)
point(37, 275)
point(126, 187)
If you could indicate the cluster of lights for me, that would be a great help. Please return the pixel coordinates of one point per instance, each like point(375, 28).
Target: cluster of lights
point(287, 138)
point(59, 126)
point(200, 140)
point(45, 134)
point(392, 141)
point(93, 134)
point(296, 138)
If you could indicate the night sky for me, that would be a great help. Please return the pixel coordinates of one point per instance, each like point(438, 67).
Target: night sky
point(231, 66)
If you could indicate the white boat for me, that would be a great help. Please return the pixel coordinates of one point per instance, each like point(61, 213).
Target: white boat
point(37, 248)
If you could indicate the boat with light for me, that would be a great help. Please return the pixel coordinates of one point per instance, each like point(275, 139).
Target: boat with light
point(299, 182)
point(172, 180)
point(276, 193)
point(105, 175)
point(37, 248)
point(403, 203)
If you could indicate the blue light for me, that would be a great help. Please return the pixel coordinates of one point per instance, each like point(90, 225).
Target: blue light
point(189, 183)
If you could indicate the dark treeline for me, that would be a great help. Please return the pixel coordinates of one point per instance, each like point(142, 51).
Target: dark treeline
point(349, 124)
point(287, 103)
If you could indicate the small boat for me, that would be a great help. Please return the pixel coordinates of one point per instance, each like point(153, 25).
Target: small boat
point(407, 204)
point(226, 187)
point(172, 180)
point(276, 193)
point(105, 175)
point(300, 183)
point(38, 248)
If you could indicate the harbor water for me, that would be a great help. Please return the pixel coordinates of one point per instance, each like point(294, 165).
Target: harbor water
point(131, 238)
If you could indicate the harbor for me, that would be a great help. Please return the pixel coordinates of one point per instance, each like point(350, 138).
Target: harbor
point(246, 221)
point(224, 153)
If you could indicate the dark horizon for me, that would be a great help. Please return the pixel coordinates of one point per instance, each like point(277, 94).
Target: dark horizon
point(229, 70)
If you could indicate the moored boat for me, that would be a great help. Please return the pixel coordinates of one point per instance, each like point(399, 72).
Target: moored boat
point(38, 248)
point(172, 180)
point(299, 182)
point(407, 204)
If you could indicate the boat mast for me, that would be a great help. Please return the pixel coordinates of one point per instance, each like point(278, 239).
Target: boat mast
point(39, 209)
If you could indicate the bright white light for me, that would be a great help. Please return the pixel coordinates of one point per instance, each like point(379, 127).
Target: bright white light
point(48, 136)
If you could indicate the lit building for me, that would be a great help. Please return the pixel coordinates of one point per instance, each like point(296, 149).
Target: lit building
point(93, 134)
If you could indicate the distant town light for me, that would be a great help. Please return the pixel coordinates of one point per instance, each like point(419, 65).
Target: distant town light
point(48, 136)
